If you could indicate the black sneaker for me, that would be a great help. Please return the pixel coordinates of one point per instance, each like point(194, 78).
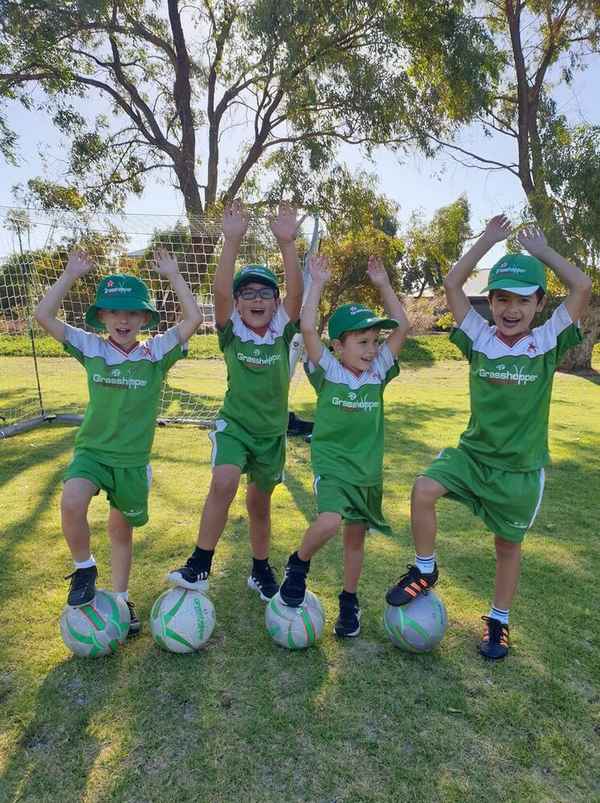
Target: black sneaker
point(190, 576)
point(348, 622)
point(83, 586)
point(134, 622)
point(495, 642)
point(410, 585)
point(264, 582)
point(293, 588)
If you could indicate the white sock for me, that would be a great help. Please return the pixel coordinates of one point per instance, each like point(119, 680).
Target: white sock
point(123, 594)
point(501, 614)
point(425, 563)
point(85, 564)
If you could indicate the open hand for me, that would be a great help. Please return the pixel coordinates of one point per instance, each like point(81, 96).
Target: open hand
point(498, 229)
point(79, 263)
point(165, 263)
point(377, 273)
point(533, 240)
point(285, 226)
point(317, 266)
point(235, 221)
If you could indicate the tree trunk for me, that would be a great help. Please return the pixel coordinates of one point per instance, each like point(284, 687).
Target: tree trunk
point(580, 358)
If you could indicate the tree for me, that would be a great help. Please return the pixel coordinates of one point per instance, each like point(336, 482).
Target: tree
point(432, 248)
point(298, 78)
point(554, 162)
point(359, 222)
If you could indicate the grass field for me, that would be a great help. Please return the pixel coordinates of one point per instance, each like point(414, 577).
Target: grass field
point(343, 722)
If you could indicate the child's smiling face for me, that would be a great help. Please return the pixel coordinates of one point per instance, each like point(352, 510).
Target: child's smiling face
point(123, 325)
point(255, 310)
point(357, 350)
point(513, 314)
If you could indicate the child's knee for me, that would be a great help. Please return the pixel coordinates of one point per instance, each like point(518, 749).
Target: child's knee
point(328, 523)
point(224, 487)
point(505, 548)
point(425, 491)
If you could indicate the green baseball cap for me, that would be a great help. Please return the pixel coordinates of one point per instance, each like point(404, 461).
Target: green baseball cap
point(352, 317)
point(517, 273)
point(121, 291)
point(254, 273)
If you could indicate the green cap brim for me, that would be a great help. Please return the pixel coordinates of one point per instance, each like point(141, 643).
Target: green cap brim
point(92, 320)
point(368, 323)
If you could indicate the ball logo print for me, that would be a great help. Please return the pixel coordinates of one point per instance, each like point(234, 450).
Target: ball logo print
point(418, 626)
point(96, 629)
point(295, 628)
point(182, 620)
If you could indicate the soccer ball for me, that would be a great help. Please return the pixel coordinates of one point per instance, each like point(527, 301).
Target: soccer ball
point(295, 628)
point(182, 620)
point(97, 628)
point(418, 626)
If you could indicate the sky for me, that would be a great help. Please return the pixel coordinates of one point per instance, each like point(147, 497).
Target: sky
point(417, 184)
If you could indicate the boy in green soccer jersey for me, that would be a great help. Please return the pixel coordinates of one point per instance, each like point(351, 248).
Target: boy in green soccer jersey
point(347, 440)
point(255, 330)
point(113, 444)
point(498, 468)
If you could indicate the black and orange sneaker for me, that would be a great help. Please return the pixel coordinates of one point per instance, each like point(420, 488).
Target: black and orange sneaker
point(495, 642)
point(410, 585)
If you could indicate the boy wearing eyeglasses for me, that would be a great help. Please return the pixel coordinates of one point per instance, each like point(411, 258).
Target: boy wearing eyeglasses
point(255, 328)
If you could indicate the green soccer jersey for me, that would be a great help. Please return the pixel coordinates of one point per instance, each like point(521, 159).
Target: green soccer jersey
point(510, 388)
point(124, 393)
point(347, 439)
point(258, 374)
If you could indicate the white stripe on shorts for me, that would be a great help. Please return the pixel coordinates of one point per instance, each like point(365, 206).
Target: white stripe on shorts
point(220, 425)
point(540, 497)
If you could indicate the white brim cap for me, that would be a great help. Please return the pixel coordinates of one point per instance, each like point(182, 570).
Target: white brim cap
point(527, 290)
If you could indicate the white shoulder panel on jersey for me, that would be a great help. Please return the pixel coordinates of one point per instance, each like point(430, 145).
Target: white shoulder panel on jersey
point(276, 326)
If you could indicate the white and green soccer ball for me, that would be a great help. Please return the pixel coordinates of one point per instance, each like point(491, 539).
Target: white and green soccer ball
point(98, 628)
point(182, 620)
point(295, 628)
point(418, 626)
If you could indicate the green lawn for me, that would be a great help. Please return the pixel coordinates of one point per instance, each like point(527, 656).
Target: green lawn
point(246, 721)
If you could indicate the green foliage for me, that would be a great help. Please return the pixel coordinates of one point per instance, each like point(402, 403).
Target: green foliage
point(308, 75)
point(432, 248)
point(445, 322)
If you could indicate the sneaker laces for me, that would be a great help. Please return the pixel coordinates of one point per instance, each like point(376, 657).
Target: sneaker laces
point(416, 575)
point(496, 632)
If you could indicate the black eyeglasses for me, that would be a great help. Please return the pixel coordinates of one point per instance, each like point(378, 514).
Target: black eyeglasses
point(249, 293)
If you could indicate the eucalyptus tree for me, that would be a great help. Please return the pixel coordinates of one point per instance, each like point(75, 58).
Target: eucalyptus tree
point(282, 84)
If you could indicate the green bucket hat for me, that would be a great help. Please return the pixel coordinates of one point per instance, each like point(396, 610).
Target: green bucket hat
point(254, 273)
point(517, 273)
point(352, 317)
point(121, 291)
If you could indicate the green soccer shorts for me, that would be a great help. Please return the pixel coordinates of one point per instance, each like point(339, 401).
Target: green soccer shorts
point(262, 459)
point(127, 489)
point(506, 501)
point(354, 503)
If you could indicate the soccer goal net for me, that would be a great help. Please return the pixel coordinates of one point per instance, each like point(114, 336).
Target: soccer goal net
point(38, 381)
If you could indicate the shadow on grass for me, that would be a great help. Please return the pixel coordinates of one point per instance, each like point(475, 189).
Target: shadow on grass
point(59, 746)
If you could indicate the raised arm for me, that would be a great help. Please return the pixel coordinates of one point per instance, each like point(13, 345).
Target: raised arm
point(78, 265)
point(580, 285)
point(166, 265)
point(319, 275)
point(496, 230)
point(235, 225)
point(285, 228)
point(391, 303)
